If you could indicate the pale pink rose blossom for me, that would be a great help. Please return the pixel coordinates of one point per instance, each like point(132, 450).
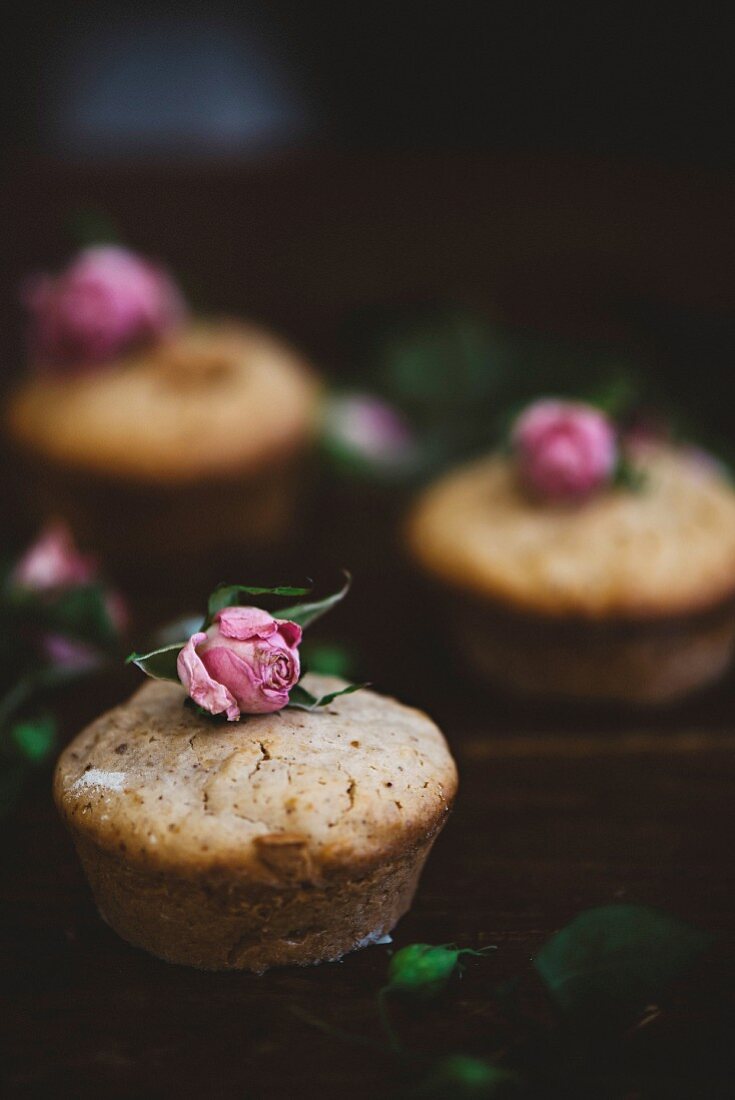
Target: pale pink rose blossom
point(53, 562)
point(106, 302)
point(246, 661)
point(69, 654)
point(565, 450)
point(369, 428)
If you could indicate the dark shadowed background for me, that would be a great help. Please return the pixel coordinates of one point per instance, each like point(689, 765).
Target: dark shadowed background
point(567, 166)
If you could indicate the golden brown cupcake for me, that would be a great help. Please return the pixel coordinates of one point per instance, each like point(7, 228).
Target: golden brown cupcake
point(194, 443)
point(621, 594)
point(287, 838)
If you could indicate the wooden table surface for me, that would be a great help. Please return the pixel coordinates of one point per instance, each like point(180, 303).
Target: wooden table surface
point(556, 813)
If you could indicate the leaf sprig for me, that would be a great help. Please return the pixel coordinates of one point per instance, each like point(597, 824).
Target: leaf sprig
point(79, 614)
point(599, 971)
point(161, 663)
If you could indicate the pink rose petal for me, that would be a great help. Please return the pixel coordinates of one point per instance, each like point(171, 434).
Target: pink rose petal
point(202, 688)
point(245, 622)
point(565, 450)
point(246, 661)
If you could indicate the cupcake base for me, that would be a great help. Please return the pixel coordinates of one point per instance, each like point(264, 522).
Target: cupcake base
point(641, 663)
point(219, 922)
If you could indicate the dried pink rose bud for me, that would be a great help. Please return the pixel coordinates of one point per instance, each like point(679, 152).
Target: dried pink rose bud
point(246, 661)
point(369, 428)
point(566, 450)
point(54, 562)
point(69, 654)
point(107, 301)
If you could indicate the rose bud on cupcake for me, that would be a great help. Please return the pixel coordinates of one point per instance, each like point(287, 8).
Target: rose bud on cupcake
point(246, 661)
point(107, 301)
point(565, 449)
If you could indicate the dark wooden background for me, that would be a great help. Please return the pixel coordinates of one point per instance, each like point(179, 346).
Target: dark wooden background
point(558, 810)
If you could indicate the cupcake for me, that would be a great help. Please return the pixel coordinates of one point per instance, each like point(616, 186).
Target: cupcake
point(149, 431)
point(290, 838)
point(575, 570)
point(274, 820)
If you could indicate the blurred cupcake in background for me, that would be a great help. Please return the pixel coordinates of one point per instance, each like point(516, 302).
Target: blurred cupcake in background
point(578, 564)
point(155, 433)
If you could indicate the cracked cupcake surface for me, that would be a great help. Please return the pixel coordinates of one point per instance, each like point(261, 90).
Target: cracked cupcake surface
point(287, 838)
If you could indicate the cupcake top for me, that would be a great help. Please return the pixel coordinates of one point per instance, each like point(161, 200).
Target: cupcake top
point(664, 550)
point(281, 795)
point(216, 398)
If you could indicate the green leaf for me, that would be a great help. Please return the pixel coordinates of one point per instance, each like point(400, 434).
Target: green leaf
point(422, 969)
point(617, 958)
point(618, 393)
point(159, 664)
point(460, 1077)
point(229, 595)
point(301, 699)
point(307, 613)
point(34, 738)
point(440, 358)
point(81, 613)
point(629, 476)
point(330, 659)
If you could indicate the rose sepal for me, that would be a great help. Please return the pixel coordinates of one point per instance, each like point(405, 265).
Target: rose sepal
point(307, 613)
point(246, 639)
point(301, 699)
point(228, 595)
point(159, 664)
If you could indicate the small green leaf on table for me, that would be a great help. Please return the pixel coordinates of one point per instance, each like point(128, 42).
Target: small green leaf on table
point(460, 1077)
point(617, 958)
point(34, 738)
point(423, 970)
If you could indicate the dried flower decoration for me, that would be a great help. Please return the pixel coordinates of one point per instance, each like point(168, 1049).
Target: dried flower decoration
point(242, 659)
